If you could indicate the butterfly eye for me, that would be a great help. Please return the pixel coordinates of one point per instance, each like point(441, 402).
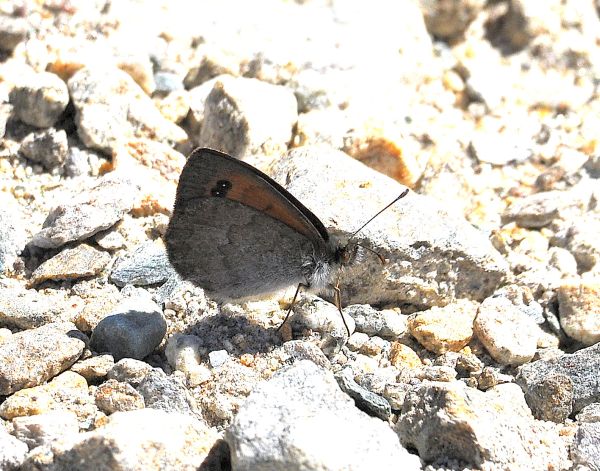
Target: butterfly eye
point(221, 188)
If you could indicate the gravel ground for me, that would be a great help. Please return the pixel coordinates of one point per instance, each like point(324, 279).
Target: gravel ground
point(475, 346)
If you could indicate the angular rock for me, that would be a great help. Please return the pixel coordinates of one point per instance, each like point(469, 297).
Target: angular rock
point(146, 265)
point(113, 396)
point(166, 393)
point(12, 451)
point(581, 368)
point(43, 429)
point(416, 234)
point(364, 399)
point(78, 262)
point(94, 368)
point(388, 323)
point(112, 109)
point(540, 209)
point(317, 315)
point(579, 309)
point(449, 20)
point(34, 356)
point(444, 329)
point(130, 370)
point(12, 32)
point(248, 118)
point(12, 233)
point(68, 392)
point(585, 450)
point(27, 309)
point(508, 334)
point(491, 430)
point(581, 239)
point(183, 354)
point(133, 330)
point(89, 212)
point(402, 356)
point(39, 99)
point(287, 423)
point(141, 439)
point(49, 147)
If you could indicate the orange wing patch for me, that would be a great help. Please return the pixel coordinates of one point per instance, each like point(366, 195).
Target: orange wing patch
point(247, 190)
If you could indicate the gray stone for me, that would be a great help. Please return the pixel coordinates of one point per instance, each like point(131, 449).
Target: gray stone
point(449, 20)
point(113, 396)
point(133, 329)
point(498, 150)
point(130, 370)
point(112, 108)
point(581, 239)
point(28, 308)
point(585, 450)
point(78, 262)
point(12, 451)
point(491, 430)
point(579, 309)
point(91, 211)
point(43, 429)
point(248, 118)
point(6, 111)
point(39, 99)
point(80, 162)
point(305, 350)
point(12, 233)
point(365, 400)
point(12, 32)
point(167, 82)
point(218, 357)
point(94, 368)
point(590, 413)
point(34, 356)
point(581, 368)
point(311, 312)
point(433, 256)
point(146, 265)
point(289, 421)
point(167, 393)
point(140, 439)
point(540, 209)
point(48, 147)
point(389, 323)
point(183, 354)
point(509, 335)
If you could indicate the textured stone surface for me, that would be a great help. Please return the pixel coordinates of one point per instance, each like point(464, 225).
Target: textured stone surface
point(579, 368)
point(289, 422)
point(143, 439)
point(492, 430)
point(77, 262)
point(416, 234)
point(28, 308)
point(443, 329)
point(579, 310)
point(509, 335)
point(31, 357)
point(39, 99)
point(248, 118)
point(91, 211)
point(133, 330)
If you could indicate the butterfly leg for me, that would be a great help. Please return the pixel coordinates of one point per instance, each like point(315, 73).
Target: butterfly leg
point(337, 298)
point(300, 285)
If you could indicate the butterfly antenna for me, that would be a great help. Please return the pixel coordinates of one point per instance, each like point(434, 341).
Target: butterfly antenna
point(402, 195)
